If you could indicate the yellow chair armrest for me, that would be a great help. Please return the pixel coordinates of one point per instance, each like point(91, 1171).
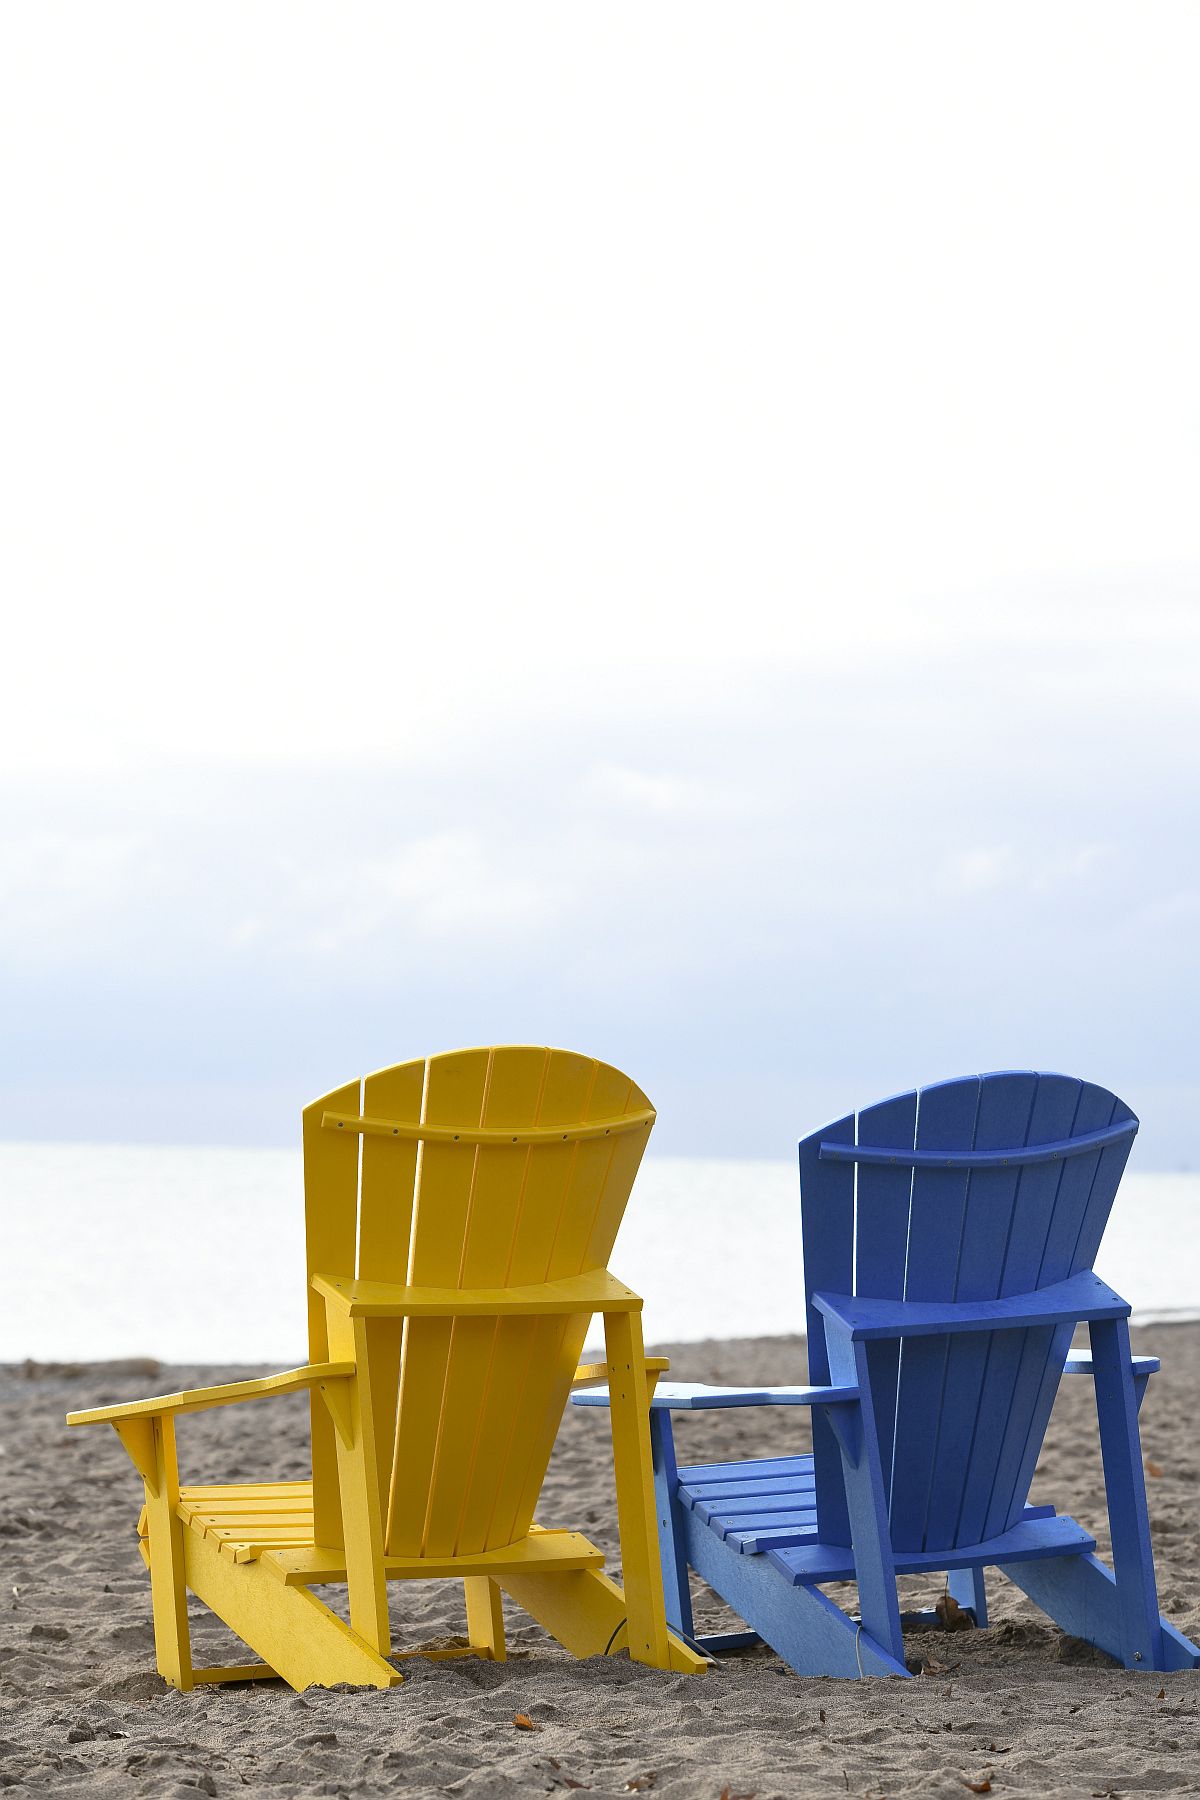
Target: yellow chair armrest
point(597, 1292)
point(291, 1381)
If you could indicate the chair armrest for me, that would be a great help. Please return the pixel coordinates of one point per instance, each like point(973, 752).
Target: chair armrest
point(692, 1396)
point(1067, 1302)
point(597, 1291)
point(291, 1381)
point(1079, 1362)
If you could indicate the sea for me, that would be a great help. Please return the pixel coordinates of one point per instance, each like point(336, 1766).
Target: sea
point(197, 1255)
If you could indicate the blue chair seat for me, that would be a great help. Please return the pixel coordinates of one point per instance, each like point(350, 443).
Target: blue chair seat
point(754, 1506)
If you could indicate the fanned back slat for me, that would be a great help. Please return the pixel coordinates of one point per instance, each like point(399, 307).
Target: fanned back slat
point(330, 1230)
point(827, 1225)
point(962, 1416)
point(881, 1249)
point(466, 1411)
point(385, 1211)
point(389, 1174)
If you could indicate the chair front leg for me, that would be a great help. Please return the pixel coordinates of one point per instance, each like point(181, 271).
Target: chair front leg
point(168, 1586)
point(360, 1486)
point(671, 1552)
point(633, 1470)
point(1125, 1483)
point(866, 1498)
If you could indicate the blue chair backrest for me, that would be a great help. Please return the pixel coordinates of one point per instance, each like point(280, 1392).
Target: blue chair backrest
point(1001, 1184)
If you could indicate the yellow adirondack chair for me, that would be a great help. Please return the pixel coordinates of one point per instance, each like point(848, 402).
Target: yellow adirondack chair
point(453, 1274)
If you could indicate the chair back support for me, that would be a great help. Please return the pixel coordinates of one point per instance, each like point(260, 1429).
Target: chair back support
point(467, 1410)
point(1000, 1184)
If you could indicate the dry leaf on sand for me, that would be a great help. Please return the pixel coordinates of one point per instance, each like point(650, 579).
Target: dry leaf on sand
point(951, 1614)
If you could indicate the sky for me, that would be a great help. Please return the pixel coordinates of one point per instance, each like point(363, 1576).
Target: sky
point(670, 531)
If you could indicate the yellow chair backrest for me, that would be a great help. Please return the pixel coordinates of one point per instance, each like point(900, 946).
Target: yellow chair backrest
point(489, 1168)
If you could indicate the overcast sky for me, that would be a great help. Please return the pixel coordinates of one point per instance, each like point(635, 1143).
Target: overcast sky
point(668, 530)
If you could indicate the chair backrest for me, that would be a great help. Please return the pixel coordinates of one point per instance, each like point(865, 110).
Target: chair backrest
point(467, 1410)
point(1001, 1184)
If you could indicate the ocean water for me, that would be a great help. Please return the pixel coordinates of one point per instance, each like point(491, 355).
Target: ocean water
point(197, 1255)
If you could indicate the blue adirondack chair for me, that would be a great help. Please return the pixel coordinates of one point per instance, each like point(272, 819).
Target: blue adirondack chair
point(949, 1238)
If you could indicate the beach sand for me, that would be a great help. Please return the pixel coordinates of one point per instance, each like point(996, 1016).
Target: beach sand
point(82, 1709)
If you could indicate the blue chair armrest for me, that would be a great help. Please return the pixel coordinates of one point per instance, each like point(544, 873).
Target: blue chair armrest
point(691, 1396)
point(1079, 1362)
point(1067, 1302)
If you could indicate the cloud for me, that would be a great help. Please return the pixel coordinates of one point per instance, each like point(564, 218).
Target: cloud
point(657, 793)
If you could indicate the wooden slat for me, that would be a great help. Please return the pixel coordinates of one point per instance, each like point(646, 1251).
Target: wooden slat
point(250, 1489)
point(880, 1247)
point(226, 1514)
point(827, 1217)
point(389, 1173)
point(614, 1179)
point(566, 1096)
point(330, 1233)
point(1110, 1169)
point(752, 1469)
point(720, 1492)
point(726, 1515)
point(385, 1215)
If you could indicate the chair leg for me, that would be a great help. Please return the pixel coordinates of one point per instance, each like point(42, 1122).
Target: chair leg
point(967, 1587)
point(168, 1584)
point(676, 1592)
point(866, 1500)
point(359, 1485)
point(632, 1466)
point(485, 1617)
point(1125, 1485)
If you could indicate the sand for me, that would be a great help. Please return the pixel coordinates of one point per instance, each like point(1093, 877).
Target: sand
point(82, 1709)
